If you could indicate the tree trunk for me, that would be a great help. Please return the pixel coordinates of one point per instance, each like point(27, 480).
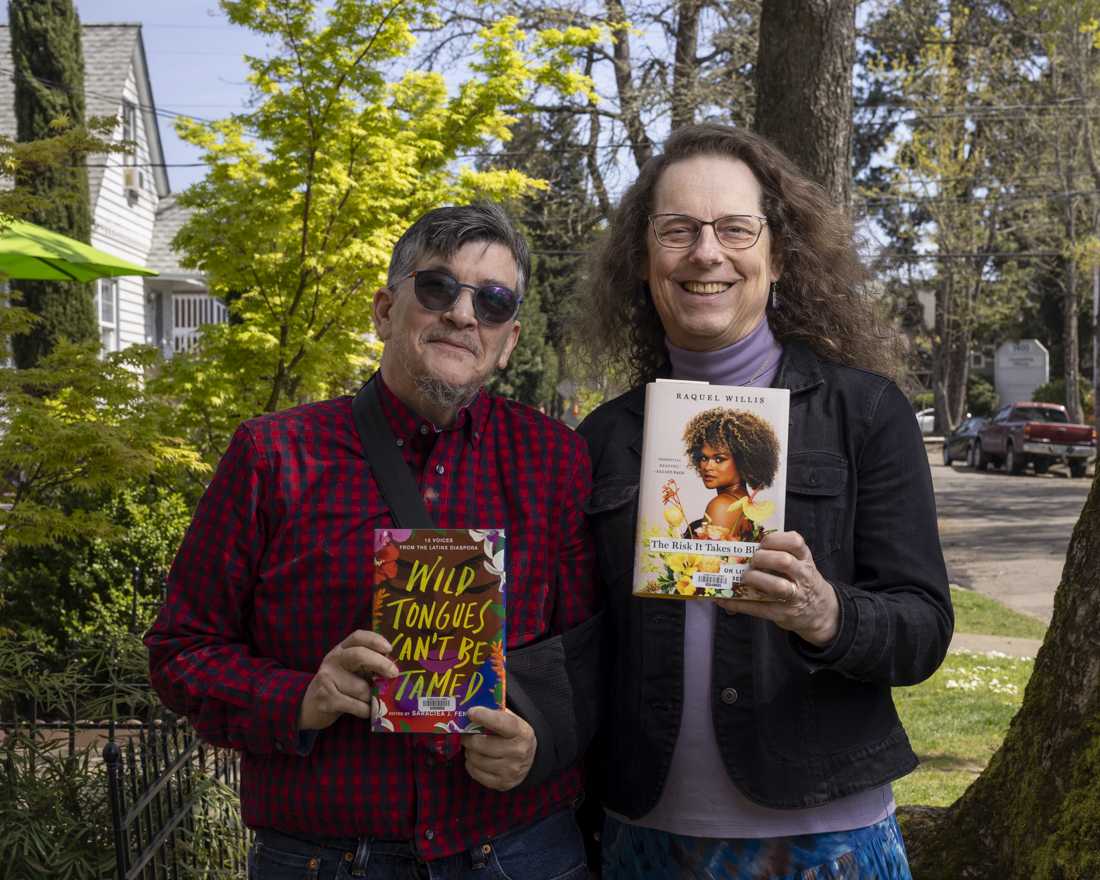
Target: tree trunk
point(1034, 813)
point(1070, 343)
point(684, 97)
point(629, 105)
point(950, 355)
point(804, 86)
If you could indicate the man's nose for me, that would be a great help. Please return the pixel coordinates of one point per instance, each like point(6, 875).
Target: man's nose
point(461, 313)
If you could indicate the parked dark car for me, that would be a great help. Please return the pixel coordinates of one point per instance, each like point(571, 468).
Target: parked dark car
point(1033, 433)
point(962, 443)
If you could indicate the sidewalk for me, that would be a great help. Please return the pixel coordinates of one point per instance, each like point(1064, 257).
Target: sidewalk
point(1013, 647)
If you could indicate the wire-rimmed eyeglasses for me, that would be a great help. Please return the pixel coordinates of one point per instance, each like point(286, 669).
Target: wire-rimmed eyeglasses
point(735, 231)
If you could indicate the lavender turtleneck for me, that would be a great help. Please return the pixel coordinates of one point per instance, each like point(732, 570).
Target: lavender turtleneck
point(698, 799)
point(753, 360)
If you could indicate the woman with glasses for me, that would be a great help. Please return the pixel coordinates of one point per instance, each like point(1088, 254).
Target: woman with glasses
point(759, 739)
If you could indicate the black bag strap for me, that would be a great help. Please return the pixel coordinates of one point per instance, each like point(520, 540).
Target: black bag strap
point(391, 473)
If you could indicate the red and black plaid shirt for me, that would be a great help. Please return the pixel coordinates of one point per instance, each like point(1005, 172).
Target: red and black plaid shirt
point(276, 570)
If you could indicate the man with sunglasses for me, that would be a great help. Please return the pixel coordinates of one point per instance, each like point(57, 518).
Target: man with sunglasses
point(264, 639)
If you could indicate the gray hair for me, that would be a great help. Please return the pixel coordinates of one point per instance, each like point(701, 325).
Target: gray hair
point(442, 231)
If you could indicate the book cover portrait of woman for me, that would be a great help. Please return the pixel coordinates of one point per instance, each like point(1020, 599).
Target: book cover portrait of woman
point(735, 453)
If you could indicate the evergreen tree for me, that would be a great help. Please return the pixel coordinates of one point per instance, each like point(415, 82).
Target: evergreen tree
point(560, 223)
point(49, 92)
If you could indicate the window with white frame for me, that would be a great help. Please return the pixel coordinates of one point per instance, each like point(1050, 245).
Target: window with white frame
point(129, 129)
point(106, 310)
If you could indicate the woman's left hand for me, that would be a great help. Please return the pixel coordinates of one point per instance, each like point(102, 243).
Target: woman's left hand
point(800, 599)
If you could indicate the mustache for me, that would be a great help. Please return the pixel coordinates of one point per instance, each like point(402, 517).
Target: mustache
point(467, 341)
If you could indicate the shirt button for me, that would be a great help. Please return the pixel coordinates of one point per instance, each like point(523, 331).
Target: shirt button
point(429, 834)
point(729, 696)
point(400, 442)
point(439, 469)
point(423, 429)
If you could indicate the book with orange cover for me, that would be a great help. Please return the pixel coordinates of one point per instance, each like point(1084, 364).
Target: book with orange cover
point(439, 600)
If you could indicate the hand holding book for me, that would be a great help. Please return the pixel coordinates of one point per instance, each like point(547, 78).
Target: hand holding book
point(342, 684)
point(794, 595)
point(502, 759)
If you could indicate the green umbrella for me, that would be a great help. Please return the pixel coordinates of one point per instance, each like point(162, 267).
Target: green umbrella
point(31, 252)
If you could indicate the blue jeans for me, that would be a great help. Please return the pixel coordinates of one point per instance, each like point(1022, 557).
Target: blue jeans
point(549, 849)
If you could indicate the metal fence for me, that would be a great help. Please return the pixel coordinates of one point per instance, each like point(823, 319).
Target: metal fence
point(134, 795)
point(173, 805)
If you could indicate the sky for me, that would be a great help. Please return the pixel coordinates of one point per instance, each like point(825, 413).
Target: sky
point(195, 63)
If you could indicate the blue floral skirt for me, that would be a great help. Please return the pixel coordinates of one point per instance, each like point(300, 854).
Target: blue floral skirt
point(872, 853)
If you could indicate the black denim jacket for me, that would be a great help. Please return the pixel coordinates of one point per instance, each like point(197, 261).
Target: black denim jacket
point(797, 726)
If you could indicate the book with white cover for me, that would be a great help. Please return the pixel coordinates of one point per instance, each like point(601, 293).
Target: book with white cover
point(713, 483)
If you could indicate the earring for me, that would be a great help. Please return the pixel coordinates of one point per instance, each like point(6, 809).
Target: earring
point(775, 299)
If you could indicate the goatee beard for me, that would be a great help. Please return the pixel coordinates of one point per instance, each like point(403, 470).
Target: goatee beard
point(444, 395)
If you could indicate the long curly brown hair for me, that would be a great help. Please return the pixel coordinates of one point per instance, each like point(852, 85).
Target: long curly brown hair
point(821, 292)
point(748, 438)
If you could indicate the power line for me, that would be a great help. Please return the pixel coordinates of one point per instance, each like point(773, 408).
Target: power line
point(1010, 255)
point(13, 74)
point(145, 165)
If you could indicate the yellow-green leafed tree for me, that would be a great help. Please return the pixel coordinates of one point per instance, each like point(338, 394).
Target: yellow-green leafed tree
point(308, 191)
point(956, 173)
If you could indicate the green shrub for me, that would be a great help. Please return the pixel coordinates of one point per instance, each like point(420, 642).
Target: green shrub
point(923, 400)
point(74, 588)
point(981, 396)
point(1055, 392)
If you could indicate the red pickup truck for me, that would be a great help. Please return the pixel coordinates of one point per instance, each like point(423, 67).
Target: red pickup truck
point(1036, 433)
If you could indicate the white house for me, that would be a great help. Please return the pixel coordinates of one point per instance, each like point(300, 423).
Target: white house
point(134, 214)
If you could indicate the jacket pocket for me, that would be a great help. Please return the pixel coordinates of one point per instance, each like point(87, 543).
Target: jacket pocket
point(612, 511)
point(817, 484)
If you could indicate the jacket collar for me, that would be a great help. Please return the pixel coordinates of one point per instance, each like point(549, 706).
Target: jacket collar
point(799, 370)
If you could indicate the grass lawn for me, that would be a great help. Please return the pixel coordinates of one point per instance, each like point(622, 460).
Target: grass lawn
point(975, 613)
point(956, 720)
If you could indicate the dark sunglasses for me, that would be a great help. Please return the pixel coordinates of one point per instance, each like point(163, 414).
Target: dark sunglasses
point(437, 291)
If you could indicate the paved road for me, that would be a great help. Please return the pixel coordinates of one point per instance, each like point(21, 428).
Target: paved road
point(1006, 536)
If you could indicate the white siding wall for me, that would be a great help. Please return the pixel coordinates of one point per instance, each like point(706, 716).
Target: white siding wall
point(124, 226)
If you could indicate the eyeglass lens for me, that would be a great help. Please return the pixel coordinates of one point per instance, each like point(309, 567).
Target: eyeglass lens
point(681, 230)
point(438, 291)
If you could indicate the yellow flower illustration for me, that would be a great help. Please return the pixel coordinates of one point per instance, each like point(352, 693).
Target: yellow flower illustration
point(710, 564)
point(673, 516)
point(685, 587)
point(740, 502)
point(760, 512)
point(683, 563)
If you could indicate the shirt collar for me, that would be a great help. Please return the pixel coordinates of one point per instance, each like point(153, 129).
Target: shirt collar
point(406, 423)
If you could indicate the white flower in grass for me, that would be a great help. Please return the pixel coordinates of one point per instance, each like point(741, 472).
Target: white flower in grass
point(378, 711)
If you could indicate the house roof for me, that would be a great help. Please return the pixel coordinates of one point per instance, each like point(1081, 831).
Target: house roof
point(170, 217)
point(109, 52)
